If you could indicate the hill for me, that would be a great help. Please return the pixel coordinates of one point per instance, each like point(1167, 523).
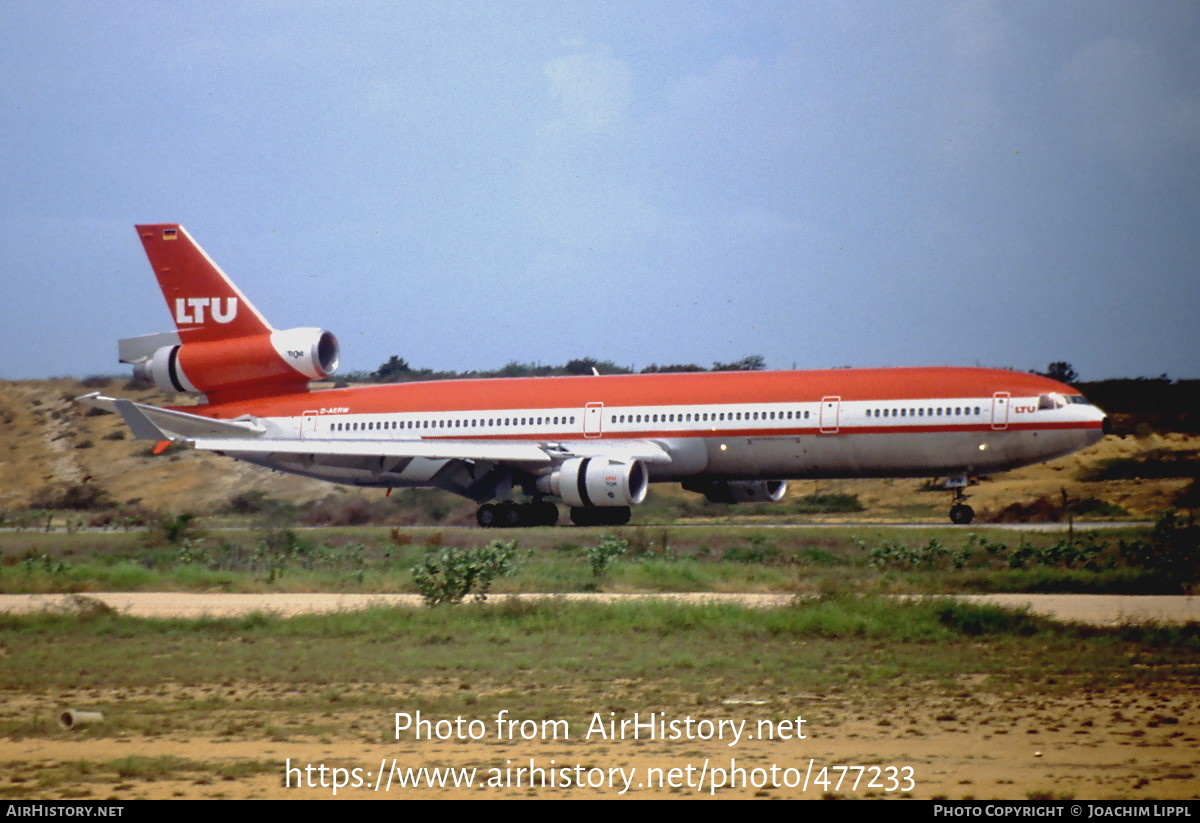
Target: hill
point(57, 453)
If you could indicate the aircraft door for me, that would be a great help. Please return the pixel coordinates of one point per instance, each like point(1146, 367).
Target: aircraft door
point(831, 409)
point(593, 417)
point(1000, 403)
point(308, 424)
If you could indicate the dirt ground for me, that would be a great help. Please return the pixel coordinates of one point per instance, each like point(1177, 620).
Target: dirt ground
point(972, 740)
point(1107, 743)
point(1093, 609)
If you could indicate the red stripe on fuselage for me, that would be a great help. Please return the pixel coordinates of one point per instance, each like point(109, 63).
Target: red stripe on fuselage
point(811, 431)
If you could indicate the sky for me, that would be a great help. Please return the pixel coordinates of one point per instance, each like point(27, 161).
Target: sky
point(824, 184)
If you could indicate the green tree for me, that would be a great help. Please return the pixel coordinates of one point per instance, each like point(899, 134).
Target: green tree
point(395, 369)
point(753, 362)
point(672, 368)
point(1061, 371)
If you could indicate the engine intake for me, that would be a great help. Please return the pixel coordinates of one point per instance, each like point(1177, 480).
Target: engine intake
point(740, 491)
point(597, 481)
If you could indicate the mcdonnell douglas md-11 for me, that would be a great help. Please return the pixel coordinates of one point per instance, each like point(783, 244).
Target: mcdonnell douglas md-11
point(592, 442)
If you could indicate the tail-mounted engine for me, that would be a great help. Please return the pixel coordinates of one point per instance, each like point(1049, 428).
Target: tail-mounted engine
point(597, 481)
point(233, 368)
point(739, 491)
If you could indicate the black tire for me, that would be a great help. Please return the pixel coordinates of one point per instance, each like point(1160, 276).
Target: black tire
point(618, 516)
point(547, 514)
point(509, 515)
point(582, 516)
point(486, 516)
point(961, 514)
point(600, 515)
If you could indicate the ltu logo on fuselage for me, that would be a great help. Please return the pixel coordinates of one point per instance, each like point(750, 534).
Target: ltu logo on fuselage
point(197, 305)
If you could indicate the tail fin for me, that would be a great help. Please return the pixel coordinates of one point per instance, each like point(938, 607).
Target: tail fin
point(203, 302)
point(223, 348)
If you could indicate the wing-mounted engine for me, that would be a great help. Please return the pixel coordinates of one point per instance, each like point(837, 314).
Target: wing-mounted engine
point(739, 491)
point(233, 367)
point(597, 481)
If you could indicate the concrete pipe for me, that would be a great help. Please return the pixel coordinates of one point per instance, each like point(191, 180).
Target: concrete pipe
point(73, 718)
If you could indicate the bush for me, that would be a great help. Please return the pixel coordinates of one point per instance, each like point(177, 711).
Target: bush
point(77, 496)
point(449, 575)
point(172, 529)
point(1095, 507)
point(605, 552)
point(1173, 548)
point(137, 384)
point(759, 551)
point(933, 555)
point(828, 503)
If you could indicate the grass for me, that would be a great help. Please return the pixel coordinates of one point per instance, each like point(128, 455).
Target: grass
point(656, 559)
point(342, 677)
point(503, 642)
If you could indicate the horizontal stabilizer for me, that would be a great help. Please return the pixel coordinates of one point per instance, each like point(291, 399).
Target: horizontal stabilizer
point(153, 423)
point(141, 349)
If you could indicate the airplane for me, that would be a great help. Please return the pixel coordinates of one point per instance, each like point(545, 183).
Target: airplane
point(592, 442)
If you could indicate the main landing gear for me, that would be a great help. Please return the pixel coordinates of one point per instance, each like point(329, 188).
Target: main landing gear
point(600, 515)
point(508, 515)
point(960, 513)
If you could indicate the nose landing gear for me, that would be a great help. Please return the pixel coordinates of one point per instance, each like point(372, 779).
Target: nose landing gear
point(960, 513)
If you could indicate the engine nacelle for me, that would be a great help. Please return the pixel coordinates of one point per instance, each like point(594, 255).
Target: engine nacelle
point(740, 491)
point(243, 364)
point(597, 481)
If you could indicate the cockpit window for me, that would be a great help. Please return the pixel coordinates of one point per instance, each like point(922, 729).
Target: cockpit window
point(1053, 400)
point(1078, 399)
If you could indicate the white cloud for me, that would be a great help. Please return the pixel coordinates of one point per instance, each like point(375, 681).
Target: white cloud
point(592, 88)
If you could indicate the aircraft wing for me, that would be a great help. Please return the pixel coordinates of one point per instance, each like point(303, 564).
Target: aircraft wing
point(491, 451)
point(247, 436)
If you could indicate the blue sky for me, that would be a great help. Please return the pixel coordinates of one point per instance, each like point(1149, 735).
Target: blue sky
point(466, 184)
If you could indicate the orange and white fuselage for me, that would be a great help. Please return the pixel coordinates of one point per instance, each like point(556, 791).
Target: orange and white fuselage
point(591, 441)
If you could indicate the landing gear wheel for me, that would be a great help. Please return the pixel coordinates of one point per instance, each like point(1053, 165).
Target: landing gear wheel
point(961, 514)
point(600, 516)
point(509, 515)
point(486, 516)
point(545, 514)
point(618, 516)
